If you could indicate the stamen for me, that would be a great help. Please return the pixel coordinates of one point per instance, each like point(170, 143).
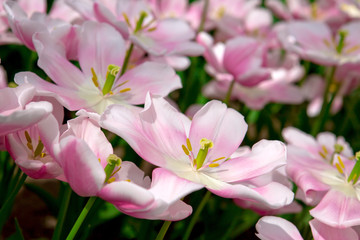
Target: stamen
point(39, 149)
point(188, 144)
point(27, 136)
point(29, 145)
point(212, 165)
point(339, 168)
point(126, 19)
point(42, 155)
point(218, 159)
point(111, 180)
point(314, 10)
point(322, 155)
point(124, 90)
point(352, 49)
point(186, 151)
point(324, 149)
point(327, 43)
point(121, 84)
point(151, 29)
point(94, 78)
point(128, 180)
point(341, 162)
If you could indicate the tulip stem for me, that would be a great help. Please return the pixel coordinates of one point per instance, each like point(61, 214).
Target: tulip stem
point(326, 105)
point(163, 230)
point(81, 218)
point(62, 212)
point(196, 215)
point(203, 16)
point(228, 94)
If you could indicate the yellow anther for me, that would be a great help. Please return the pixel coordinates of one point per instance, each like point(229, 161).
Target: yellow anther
point(220, 13)
point(218, 159)
point(111, 180)
point(206, 143)
point(128, 180)
point(314, 10)
point(352, 49)
point(126, 19)
point(27, 136)
point(29, 145)
point(124, 90)
point(339, 168)
point(341, 162)
point(94, 78)
point(324, 149)
point(188, 144)
point(111, 93)
point(327, 43)
point(42, 155)
point(151, 29)
point(322, 155)
point(212, 165)
point(186, 151)
point(122, 84)
point(99, 160)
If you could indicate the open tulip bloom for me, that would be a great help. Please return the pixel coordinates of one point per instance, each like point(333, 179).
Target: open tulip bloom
point(200, 150)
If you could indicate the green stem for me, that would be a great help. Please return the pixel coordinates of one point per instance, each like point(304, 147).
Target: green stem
point(81, 218)
point(163, 230)
point(6, 208)
point(196, 215)
point(203, 16)
point(62, 213)
point(127, 59)
point(228, 94)
point(326, 105)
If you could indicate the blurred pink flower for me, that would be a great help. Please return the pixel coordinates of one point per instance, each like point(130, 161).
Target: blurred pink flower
point(277, 228)
point(314, 41)
point(323, 170)
point(200, 150)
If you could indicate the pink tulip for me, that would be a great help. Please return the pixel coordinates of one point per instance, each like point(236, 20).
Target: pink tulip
point(200, 150)
point(91, 169)
point(323, 170)
point(97, 85)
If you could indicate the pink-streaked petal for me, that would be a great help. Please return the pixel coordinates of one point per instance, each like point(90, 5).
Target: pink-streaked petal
point(100, 46)
point(300, 139)
point(103, 14)
point(262, 195)
point(125, 122)
point(276, 228)
point(88, 130)
point(321, 231)
point(264, 157)
point(169, 188)
point(338, 209)
point(67, 97)
point(126, 196)
point(18, 120)
point(55, 64)
point(81, 167)
point(224, 126)
point(166, 129)
point(156, 78)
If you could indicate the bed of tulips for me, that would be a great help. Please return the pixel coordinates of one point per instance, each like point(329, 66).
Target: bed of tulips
point(170, 119)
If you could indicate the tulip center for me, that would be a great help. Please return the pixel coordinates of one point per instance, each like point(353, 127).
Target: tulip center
point(111, 74)
point(199, 160)
point(112, 167)
point(355, 172)
point(38, 151)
